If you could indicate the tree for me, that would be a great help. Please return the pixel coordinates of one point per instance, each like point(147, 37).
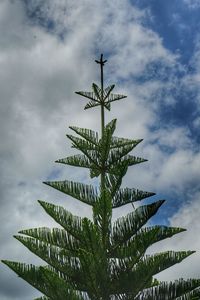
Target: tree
point(100, 259)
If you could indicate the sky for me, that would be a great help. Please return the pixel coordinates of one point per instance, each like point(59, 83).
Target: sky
point(47, 52)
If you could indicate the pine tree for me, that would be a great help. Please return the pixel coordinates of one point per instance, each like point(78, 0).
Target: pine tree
point(100, 259)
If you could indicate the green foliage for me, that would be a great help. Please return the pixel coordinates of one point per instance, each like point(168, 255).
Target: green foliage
point(100, 259)
point(98, 98)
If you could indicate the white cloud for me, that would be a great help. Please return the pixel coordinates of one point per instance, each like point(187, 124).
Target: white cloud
point(192, 80)
point(173, 162)
point(192, 4)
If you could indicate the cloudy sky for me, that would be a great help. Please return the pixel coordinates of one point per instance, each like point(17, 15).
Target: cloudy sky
point(47, 52)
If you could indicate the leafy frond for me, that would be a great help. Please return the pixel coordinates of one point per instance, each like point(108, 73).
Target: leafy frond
point(126, 195)
point(133, 277)
point(113, 182)
point(177, 290)
point(81, 144)
point(109, 129)
point(90, 161)
point(90, 95)
point(95, 274)
point(93, 259)
point(83, 192)
point(125, 227)
point(115, 97)
point(133, 160)
point(105, 141)
point(91, 104)
point(46, 281)
point(107, 105)
point(115, 155)
point(102, 212)
point(144, 238)
point(77, 160)
point(99, 97)
point(54, 236)
point(126, 161)
point(97, 90)
point(107, 91)
point(122, 142)
point(91, 237)
point(56, 257)
point(72, 224)
point(95, 96)
point(88, 134)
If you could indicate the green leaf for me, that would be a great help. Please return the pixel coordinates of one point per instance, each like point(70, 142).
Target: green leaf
point(102, 212)
point(125, 227)
point(95, 96)
point(113, 182)
point(46, 281)
point(95, 275)
point(91, 104)
point(118, 156)
point(80, 144)
point(132, 160)
point(107, 105)
point(97, 91)
point(56, 257)
point(54, 236)
point(94, 172)
point(90, 152)
point(122, 142)
point(126, 195)
point(88, 134)
point(144, 238)
point(97, 99)
point(119, 169)
point(80, 160)
point(92, 238)
point(124, 163)
point(72, 224)
point(177, 290)
point(89, 95)
point(83, 192)
point(107, 91)
point(94, 262)
point(105, 141)
point(133, 277)
point(115, 97)
point(77, 160)
point(109, 129)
